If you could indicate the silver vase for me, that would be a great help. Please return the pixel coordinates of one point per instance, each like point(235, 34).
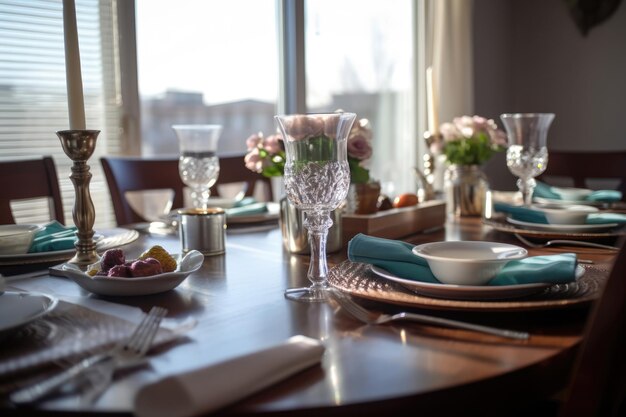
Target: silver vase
point(466, 190)
point(296, 236)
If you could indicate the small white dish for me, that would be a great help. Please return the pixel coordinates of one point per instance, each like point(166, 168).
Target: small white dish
point(467, 262)
point(17, 309)
point(154, 284)
point(15, 239)
point(575, 214)
point(572, 194)
point(469, 292)
point(565, 228)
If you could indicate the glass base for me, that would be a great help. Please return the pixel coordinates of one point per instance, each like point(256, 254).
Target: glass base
point(312, 294)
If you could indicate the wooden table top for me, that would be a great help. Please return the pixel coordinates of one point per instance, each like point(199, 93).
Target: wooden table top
point(237, 299)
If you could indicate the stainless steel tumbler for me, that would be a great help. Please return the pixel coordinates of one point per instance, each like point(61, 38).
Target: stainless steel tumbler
point(202, 230)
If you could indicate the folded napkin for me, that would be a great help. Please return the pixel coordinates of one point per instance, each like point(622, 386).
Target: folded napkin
point(54, 236)
point(531, 215)
point(544, 190)
point(247, 210)
point(397, 257)
point(208, 389)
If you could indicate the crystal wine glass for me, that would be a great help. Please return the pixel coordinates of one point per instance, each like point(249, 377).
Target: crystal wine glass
point(527, 154)
point(317, 178)
point(198, 164)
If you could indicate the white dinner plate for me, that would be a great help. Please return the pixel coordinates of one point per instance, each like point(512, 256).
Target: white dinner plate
point(154, 284)
point(574, 228)
point(106, 239)
point(17, 309)
point(469, 292)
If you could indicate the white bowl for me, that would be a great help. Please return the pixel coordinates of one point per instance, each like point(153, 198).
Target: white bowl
point(15, 239)
point(572, 194)
point(118, 286)
point(567, 215)
point(467, 262)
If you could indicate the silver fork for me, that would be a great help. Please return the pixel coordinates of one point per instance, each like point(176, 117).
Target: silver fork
point(368, 317)
point(560, 242)
point(125, 353)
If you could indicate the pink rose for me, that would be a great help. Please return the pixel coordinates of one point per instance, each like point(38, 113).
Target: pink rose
point(465, 125)
point(302, 127)
point(254, 141)
point(253, 160)
point(450, 132)
point(272, 144)
point(331, 123)
point(359, 147)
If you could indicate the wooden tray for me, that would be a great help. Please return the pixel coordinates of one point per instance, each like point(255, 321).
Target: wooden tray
point(396, 223)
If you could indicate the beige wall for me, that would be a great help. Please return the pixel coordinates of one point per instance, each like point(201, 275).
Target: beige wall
point(529, 56)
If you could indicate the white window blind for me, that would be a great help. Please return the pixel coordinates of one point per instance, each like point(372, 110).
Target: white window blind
point(33, 97)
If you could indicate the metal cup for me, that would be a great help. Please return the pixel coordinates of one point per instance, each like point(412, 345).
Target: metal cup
point(202, 230)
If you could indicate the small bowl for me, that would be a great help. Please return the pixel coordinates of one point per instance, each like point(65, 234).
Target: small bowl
point(15, 239)
point(567, 215)
point(572, 194)
point(467, 262)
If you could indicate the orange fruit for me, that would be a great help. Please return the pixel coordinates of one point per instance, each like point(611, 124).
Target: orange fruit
point(405, 200)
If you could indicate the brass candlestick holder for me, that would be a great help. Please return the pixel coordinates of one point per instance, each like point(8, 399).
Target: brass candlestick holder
point(79, 145)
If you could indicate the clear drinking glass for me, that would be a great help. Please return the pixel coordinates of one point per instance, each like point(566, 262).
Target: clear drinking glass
point(527, 154)
point(317, 178)
point(198, 165)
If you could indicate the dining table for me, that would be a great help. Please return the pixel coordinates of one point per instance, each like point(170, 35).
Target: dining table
point(237, 305)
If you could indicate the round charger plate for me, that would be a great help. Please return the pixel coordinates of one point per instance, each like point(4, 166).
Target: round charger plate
point(357, 279)
point(154, 284)
point(469, 292)
point(17, 309)
point(111, 238)
point(501, 225)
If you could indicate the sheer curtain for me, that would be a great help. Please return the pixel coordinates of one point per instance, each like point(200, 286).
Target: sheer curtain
point(450, 54)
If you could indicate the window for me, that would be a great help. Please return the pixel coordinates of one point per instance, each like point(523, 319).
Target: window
point(216, 62)
point(359, 58)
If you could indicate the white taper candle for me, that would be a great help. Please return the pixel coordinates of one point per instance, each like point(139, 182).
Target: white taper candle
point(74, 79)
point(433, 102)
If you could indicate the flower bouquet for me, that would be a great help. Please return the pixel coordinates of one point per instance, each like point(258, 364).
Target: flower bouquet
point(467, 143)
point(469, 140)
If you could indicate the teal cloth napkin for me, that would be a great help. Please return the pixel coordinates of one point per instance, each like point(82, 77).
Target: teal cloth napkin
point(247, 210)
point(53, 237)
point(544, 190)
point(397, 257)
point(528, 214)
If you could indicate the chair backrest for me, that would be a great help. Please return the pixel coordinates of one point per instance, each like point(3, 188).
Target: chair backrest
point(124, 174)
point(29, 178)
point(582, 166)
point(598, 385)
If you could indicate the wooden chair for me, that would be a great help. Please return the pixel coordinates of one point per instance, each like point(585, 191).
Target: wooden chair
point(582, 166)
point(125, 174)
point(598, 386)
point(29, 178)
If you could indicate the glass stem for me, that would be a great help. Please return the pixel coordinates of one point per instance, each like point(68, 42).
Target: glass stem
point(527, 186)
point(318, 223)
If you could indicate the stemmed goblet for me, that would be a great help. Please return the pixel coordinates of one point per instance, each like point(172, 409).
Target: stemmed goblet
point(198, 164)
point(527, 154)
point(317, 178)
